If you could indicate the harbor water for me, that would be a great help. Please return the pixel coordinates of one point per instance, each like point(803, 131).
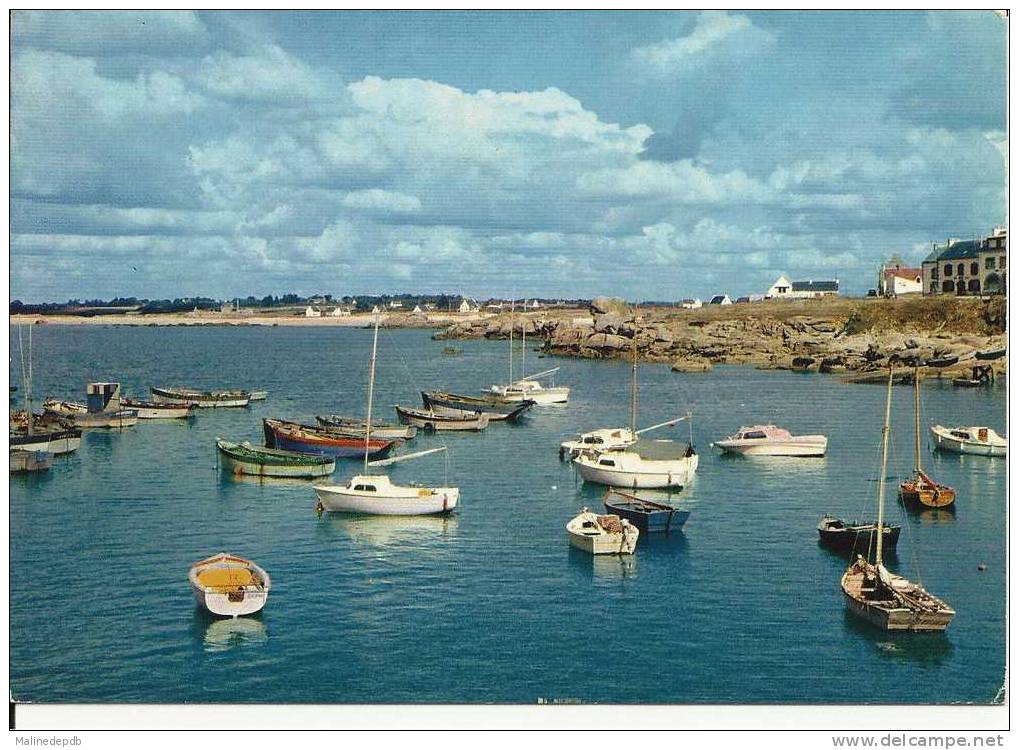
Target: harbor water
point(489, 604)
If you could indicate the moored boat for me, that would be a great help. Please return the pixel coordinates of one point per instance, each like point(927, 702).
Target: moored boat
point(991, 354)
point(102, 409)
point(156, 410)
point(946, 361)
point(355, 425)
point(244, 458)
point(258, 395)
point(377, 494)
point(426, 419)
point(969, 382)
point(644, 464)
point(23, 461)
point(602, 535)
point(228, 585)
point(610, 437)
point(63, 408)
point(976, 441)
point(458, 405)
point(856, 537)
point(55, 439)
point(292, 436)
point(769, 440)
point(647, 515)
point(201, 399)
point(872, 592)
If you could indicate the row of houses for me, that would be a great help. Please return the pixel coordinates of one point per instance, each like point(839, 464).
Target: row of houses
point(958, 267)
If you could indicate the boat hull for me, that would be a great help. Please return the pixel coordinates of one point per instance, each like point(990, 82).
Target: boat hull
point(447, 403)
point(159, 411)
point(410, 502)
point(916, 493)
point(649, 518)
point(380, 431)
point(669, 475)
point(898, 619)
point(851, 539)
point(324, 444)
point(928, 613)
point(240, 465)
point(57, 443)
point(805, 446)
point(201, 399)
point(438, 422)
point(104, 420)
point(544, 397)
point(585, 534)
point(946, 442)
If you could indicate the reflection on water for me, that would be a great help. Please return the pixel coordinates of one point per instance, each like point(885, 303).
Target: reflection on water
point(921, 648)
point(937, 515)
point(223, 634)
point(232, 478)
point(385, 530)
point(607, 567)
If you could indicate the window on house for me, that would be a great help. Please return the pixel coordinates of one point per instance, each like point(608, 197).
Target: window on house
point(960, 270)
point(947, 286)
point(974, 286)
point(974, 268)
point(1001, 261)
point(989, 264)
point(948, 270)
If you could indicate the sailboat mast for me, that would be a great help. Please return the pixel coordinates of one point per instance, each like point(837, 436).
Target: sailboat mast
point(916, 417)
point(884, 470)
point(633, 386)
point(371, 392)
point(523, 343)
point(511, 340)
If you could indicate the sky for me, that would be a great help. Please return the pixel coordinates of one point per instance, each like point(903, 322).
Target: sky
point(652, 156)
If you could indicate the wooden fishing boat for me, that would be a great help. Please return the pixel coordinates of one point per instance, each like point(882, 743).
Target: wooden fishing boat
point(647, 515)
point(976, 441)
point(244, 458)
point(458, 405)
point(942, 361)
point(355, 425)
point(23, 461)
point(886, 600)
point(157, 410)
point(102, 409)
point(769, 440)
point(377, 494)
point(920, 489)
point(427, 419)
point(602, 535)
point(992, 354)
point(202, 399)
point(258, 395)
point(291, 436)
point(969, 383)
point(856, 537)
point(229, 586)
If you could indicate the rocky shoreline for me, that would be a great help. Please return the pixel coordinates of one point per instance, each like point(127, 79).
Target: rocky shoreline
point(855, 339)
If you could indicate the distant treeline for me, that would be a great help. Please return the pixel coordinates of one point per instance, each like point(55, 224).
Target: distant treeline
point(187, 304)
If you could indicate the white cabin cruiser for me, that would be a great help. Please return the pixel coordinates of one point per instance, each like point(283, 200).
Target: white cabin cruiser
point(609, 437)
point(376, 494)
point(769, 440)
point(977, 441)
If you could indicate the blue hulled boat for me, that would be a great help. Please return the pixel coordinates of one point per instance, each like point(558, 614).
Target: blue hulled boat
point(648, 516)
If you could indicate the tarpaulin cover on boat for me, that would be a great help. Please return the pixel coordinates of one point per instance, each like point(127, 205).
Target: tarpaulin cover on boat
point(226, 577)
point(659, 450)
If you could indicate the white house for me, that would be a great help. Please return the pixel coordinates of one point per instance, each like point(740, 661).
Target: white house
point(785, 289)
point(465, 306)
point(340, 312)
point(395, 304)
point(720, 299)
point(691, 304)
point(417, 310)
point(900, 281)
point(311, 312)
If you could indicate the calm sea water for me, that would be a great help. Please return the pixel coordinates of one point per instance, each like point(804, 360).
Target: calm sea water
point(491, 604)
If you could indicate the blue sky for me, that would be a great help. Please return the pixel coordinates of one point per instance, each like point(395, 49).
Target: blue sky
point(646, 155)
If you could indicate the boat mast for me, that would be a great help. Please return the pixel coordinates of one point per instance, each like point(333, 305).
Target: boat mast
point(371, 392)
point(884, 469)
point(523, 342)
point(916, 416)
point(633, 383)
point(511, 341)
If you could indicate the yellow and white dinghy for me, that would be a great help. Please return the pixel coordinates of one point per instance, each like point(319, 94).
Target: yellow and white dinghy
point(229, 586)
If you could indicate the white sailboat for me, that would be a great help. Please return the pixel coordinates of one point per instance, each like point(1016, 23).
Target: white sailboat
point(377, 494)
point(529, 387)
point(28, 436)
point(638, 463)
point(886, 600)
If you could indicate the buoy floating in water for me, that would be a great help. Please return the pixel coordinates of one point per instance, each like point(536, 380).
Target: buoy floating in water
point(982, 566)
